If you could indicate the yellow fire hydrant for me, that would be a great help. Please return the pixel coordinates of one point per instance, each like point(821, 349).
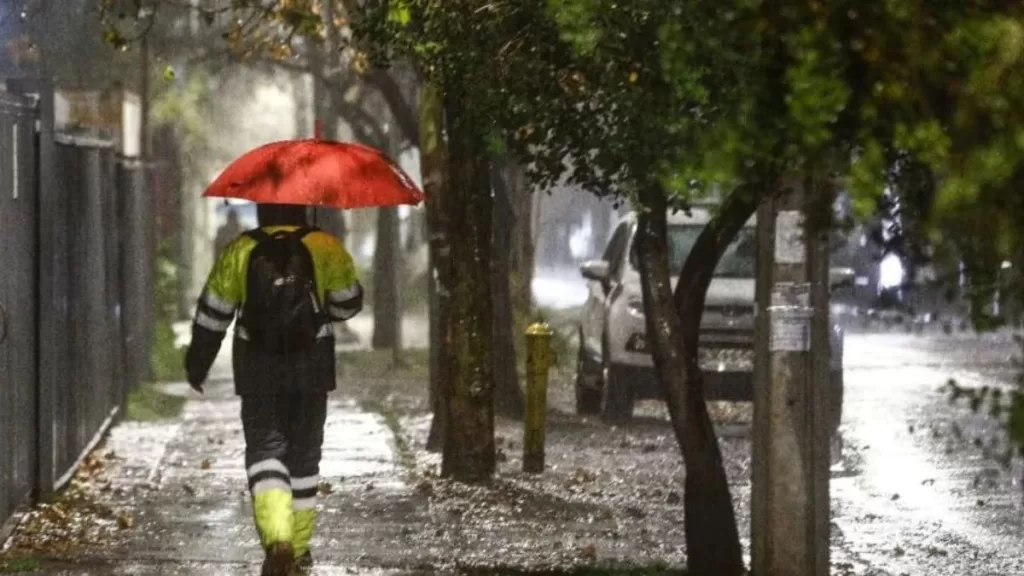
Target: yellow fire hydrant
point(539, 358)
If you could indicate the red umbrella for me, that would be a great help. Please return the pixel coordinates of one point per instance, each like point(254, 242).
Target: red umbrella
point(316, 173)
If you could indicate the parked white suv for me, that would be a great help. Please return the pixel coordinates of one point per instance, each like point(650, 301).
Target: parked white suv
point(615, 367)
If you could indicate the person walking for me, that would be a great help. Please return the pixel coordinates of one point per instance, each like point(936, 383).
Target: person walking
point(227, 233)
point(285, 283)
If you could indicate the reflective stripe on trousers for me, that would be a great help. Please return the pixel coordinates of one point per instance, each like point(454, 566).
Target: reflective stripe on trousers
point(284, 507)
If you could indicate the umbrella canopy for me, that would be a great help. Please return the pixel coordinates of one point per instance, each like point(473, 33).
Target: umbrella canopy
point(316, 173)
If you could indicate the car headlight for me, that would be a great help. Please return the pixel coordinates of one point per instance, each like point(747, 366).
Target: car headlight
point(890, 272)
point(635, 306)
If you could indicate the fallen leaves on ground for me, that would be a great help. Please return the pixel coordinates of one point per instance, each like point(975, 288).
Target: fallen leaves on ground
point(125, 521)
point(78, 518)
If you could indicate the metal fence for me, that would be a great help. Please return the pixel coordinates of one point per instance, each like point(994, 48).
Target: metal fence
point(76, 269)
point(18, 307)
point(137, 241)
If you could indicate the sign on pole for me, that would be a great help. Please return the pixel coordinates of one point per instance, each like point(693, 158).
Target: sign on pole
point(790, 504)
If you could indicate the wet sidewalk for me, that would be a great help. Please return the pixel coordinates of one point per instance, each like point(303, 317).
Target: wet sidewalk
point(177, 499)
point(169, 496)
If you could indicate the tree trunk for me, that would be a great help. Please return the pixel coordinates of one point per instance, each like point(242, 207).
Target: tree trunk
point(508, 396)
point(304, 98)
point(469, 452)
point(523, 246)
point(324, 125)
point(601, 225)
point(700, 264)
point(707, 496)
point(433, 160)
point(386, 282)
point(436, 349)
point(712, 539)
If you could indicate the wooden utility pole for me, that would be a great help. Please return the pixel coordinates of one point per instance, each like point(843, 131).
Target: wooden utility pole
point(146, 149)
point(790, 499)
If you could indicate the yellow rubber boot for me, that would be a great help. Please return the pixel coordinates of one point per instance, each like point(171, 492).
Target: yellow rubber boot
point(272, 509)
point(305, 521)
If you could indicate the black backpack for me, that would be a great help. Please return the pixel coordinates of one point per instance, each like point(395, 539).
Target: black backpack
point(282, 313)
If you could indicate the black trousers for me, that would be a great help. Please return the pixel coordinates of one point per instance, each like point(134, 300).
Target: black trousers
point(284, 435)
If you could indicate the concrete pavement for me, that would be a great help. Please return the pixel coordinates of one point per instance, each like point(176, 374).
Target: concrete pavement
point(178, 490)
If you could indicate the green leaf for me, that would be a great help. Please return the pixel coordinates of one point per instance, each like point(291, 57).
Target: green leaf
point(113, 37)
point(400, 13)
point(496, 143)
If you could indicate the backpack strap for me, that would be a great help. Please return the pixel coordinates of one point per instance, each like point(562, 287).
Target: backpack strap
point(304, 231)
point(258, 234)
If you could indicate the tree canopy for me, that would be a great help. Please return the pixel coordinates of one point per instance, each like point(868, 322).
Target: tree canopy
point(711, 87)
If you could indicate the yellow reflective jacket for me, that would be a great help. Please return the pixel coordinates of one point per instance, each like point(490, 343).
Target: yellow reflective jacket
point(224, 296)
point(331, 262)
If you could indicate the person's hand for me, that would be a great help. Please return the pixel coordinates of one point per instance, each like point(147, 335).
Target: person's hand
point(193, 375)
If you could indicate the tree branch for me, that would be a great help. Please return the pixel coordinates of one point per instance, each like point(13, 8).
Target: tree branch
point(691, 290)
point(401, 109)
point(381, 80)
point(405, 116)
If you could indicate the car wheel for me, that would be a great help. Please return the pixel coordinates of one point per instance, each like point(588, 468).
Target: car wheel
point(588, 396)
point(588, 401)
point(835, 417)
point(618, 394)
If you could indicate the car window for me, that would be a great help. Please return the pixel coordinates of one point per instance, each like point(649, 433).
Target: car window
point(615, 249)
point(738, 261)
point(740, 257)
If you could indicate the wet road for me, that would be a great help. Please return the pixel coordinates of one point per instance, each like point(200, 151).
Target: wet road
point(922, 493)
point(919, 491)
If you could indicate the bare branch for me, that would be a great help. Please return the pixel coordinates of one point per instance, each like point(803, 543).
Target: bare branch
point(402, 110)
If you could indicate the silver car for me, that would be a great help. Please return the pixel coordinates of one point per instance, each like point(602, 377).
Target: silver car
point(615, 367)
